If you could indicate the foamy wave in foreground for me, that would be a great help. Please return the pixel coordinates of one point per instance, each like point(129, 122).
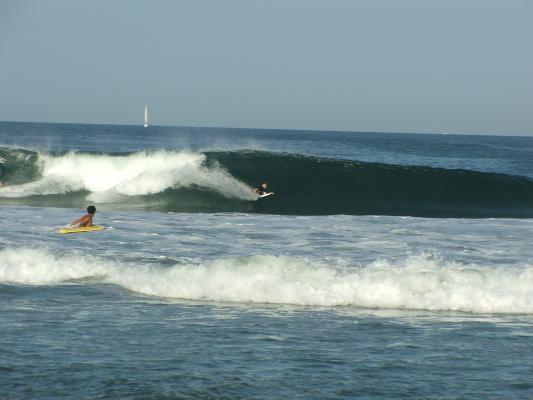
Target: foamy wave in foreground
point(414, 283)
point(108, 177)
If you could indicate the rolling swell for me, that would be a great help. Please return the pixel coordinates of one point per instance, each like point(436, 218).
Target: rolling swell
point(222, 182)
point(312, 185)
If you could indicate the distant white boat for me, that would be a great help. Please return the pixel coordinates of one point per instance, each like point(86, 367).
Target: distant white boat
point(146, 116)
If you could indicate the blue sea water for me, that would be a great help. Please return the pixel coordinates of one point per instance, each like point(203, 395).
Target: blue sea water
point(198, 290)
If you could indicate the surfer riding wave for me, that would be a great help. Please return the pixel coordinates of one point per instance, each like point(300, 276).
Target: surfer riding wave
point(262, 191)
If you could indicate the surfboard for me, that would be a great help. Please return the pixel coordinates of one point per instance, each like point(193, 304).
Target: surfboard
point(82, 229)
point(265, 195)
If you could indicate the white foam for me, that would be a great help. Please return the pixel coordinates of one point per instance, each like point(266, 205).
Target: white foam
point(143, 173)
point(414, 283)
point(42, 267)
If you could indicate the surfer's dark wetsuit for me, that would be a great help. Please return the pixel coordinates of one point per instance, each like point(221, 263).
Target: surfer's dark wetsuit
point(262, 189)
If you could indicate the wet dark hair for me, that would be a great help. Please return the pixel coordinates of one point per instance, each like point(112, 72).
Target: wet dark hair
point(91, 209)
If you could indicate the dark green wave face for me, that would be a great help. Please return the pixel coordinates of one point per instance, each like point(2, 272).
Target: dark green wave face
point(18, 166)
point(303, 186)
point(310, 185)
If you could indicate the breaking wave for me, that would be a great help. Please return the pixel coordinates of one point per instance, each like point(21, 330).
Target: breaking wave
point(222, 181)
point(115, 178)
point(417, 282)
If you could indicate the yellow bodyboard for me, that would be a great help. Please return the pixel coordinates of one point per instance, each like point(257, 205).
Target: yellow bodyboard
point(82, 229)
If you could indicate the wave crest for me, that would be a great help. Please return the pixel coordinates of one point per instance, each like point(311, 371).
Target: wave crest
point(221, 182)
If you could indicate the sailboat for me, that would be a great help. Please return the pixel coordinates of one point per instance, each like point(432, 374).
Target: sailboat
point(146, 116)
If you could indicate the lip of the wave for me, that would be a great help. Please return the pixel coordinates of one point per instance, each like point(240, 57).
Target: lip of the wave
point(416, 283)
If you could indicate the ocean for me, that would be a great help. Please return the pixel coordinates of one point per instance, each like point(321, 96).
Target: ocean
point(386, 265)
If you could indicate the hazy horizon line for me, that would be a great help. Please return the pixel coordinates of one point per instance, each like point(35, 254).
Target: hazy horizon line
point(276, 129)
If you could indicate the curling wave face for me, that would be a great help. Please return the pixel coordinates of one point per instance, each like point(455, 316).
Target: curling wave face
point(417, 282)
point(222, 181)
point(112, 178)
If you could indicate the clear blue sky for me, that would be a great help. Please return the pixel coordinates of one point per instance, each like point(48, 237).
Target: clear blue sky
point(458, 66)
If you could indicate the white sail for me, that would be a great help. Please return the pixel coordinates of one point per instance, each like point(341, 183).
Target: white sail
point(145, 116)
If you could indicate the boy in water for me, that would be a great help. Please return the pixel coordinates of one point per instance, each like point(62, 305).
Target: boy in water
point(86, 220)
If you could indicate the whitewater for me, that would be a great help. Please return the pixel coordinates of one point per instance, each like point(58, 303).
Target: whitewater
point(361, 262)
point(385, 266)
point(417, 283)
point(137, 174)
